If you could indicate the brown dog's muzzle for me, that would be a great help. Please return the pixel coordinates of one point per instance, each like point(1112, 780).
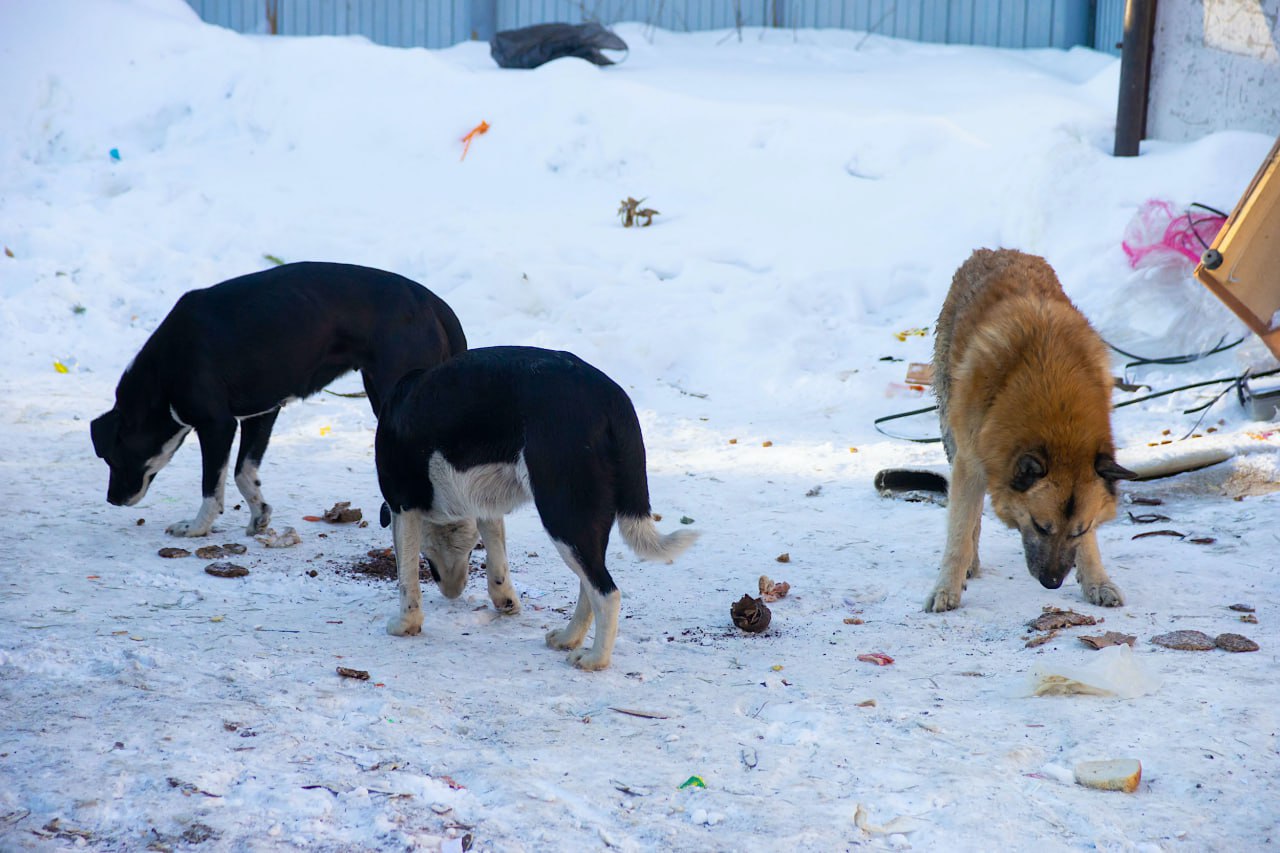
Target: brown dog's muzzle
point(1049, 558)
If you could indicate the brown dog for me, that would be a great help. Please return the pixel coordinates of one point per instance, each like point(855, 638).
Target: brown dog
point(1024, 397)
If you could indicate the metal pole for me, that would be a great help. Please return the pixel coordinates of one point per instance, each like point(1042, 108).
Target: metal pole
point(1135, 76)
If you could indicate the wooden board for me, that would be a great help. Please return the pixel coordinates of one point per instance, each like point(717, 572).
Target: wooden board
point(1248, 279)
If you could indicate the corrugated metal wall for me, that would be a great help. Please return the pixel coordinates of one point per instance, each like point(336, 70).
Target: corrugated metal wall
point(439, 23)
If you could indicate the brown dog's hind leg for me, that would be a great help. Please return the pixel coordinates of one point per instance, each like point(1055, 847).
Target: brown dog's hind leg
point(1094, 582)
point(964, 517)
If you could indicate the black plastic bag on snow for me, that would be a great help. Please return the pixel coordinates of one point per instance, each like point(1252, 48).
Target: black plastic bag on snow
point(529, 47)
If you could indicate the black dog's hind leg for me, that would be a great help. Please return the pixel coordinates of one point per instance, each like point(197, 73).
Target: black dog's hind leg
point(216, 438)
point(579, 525)
point(255, 432)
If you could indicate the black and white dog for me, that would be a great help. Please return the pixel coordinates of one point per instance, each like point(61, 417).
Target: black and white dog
point(238, 351)
point(462, 445)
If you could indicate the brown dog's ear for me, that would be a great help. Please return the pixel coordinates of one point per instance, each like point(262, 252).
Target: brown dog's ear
point(1030, 468)
point(1111, 470)
point(103, 430)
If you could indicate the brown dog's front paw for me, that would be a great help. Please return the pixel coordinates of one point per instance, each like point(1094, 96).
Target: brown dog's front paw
point(941, 600)
point(1104, 594)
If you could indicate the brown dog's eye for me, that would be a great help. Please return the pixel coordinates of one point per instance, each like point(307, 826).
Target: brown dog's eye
point(1043, 531)
point(1078, 534)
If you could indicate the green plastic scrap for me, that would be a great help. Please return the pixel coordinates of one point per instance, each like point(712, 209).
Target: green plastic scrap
point(693, 782)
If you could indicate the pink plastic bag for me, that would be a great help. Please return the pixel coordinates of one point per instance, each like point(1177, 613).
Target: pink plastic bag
point(1157, 235)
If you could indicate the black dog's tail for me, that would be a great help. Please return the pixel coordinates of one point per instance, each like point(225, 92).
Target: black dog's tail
point(635, 521)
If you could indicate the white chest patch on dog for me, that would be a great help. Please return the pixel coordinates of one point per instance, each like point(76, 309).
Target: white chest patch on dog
point(484, 491)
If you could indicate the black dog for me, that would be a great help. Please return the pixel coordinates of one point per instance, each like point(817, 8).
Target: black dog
point(238, 351)
point(460, 446)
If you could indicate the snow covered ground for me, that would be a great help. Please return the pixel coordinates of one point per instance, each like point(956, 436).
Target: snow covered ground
point(816, 191)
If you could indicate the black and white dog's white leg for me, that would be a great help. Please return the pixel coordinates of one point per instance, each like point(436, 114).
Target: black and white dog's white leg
point(604, 607)
point(406, 530)
point(255, 432)
point(216, 439)
point(501, 592)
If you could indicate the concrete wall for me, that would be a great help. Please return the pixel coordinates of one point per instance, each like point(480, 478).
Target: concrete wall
point(1216, 66)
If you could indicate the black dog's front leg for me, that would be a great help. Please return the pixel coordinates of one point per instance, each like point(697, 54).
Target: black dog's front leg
point(215, 449)
point(255, 432)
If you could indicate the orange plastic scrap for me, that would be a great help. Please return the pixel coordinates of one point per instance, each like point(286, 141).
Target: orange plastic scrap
point(482, 127)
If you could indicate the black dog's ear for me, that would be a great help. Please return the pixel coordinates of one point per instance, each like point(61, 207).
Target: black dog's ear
point(103, 429)
point(384, 515)
point(1111, 470)
point(1030, 468)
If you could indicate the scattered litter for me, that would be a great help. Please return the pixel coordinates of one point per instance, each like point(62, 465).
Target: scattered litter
point(479, 130)
point(340, 513)
point(452, 783)
point(897, 825)
point(911, 333)
point(212, 552)
point(69, 833)
point(1054, 618)
point(226, 570)
point(1040, 640)
point(771, 591)
point(1140, 500)
point(630, 211)
point(766, 444)
point(1148, 518)
point(632, 790)
point(1235, 643)
point(173, 553)
point(1241, 608)
point(188, 789)
point(283, 539)
point(1249, 618)
point(814, 492)
point(750, 614)
point(915, 485)
point(877, 658)
point(919, 373)
point(647, 715)
point(866, 703)
point(1113, 671)
point(1187, 641)
point(60, 367)
point(1120, 774)
point(693, 782)
point(1111, 638)
point(359, 674)
point(684, 519)
point(1157, 235)
point(854, 620)
point(1172, 533)
point(783, 558)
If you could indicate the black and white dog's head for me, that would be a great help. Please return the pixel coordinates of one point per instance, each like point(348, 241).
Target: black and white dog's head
point(136, 443)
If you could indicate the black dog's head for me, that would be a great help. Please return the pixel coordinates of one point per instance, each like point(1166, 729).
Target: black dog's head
point(135, 446)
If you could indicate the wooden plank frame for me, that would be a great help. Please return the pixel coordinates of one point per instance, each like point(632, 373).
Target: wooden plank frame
point(1242, 267)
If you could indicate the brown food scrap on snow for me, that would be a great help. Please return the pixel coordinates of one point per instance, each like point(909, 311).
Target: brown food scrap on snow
point(1040, 640)
point(1241, 608)
point(1111, 638)
point(783, 558)
point(750, 614)
point(173, 553)
point(226, 570)
point(211, 552)
point(1187, 641)
point(771, 591)
point(342, 513)
point(1235, 643)
point(359, 674)
point(877, 658)
point(1053, 618)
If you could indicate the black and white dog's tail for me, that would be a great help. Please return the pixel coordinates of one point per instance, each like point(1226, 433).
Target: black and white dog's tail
point(635, 521)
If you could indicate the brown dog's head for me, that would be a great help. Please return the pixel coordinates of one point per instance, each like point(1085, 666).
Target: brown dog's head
point(1054, 499)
